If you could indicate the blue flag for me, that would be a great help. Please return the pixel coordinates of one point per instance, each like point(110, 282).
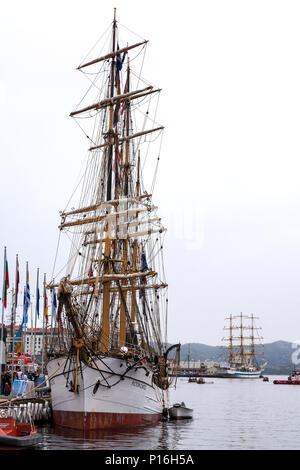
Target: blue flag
point(38, 302)
point(144, 261)
point(18, 339)
point(119, 61)
point(54, 304)
point(26, 303)
point(25, 309)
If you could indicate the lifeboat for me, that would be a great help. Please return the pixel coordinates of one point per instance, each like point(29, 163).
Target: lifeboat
point(15, 435)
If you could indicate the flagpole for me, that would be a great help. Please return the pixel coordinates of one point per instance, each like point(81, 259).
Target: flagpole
point(2, 318)
point(12, 330)
point(44, 344)
point(36, 311)
point(14, 320)
point(24, 327)
point(31, 333)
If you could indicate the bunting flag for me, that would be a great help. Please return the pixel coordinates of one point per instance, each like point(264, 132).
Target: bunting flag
point(6, 282)
point(54, 305)
point(45, 305)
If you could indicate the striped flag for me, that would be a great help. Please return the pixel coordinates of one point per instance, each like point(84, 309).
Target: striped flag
point(45, 304)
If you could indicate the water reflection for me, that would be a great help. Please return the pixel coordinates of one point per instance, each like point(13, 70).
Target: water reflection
point(161, 436)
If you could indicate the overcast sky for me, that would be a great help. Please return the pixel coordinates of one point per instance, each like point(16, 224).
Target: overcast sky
point(228, 184)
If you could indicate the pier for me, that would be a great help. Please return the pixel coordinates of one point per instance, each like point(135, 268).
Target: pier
point(35, 410)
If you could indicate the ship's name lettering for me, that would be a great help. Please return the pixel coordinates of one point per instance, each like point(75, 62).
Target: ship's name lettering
point(138, 384)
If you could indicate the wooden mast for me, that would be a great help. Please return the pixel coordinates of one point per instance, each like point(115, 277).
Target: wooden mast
point(111, 115)
point(126, 167)
point(123, 306)
point(135, 247)
point(107, 266)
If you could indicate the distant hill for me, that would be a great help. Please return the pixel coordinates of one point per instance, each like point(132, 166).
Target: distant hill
point(278, 355)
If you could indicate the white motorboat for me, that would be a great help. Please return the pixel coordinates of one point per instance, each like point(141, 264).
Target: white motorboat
point(180, 411)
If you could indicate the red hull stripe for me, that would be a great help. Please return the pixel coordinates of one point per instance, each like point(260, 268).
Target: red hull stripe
point(92, 420)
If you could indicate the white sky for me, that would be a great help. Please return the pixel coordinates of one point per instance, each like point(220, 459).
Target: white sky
point(228, 185)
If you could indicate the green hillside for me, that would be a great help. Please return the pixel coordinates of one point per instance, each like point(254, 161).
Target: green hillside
point(278, 355)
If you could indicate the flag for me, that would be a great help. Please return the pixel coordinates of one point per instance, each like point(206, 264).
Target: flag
point(144, 266)
point(119, 61)
point(119, 65)
point(18, 339)
point(54, 305)
point(25, 309)
point(6, 282)
point(116, 114)
point(45, 304)
point(38, 301)
point(17, 281)
point(26, 302)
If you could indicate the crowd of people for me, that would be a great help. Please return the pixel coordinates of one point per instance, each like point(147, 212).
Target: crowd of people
point(18, 374)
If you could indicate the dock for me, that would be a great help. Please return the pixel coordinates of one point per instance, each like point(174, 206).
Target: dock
point(35, 410)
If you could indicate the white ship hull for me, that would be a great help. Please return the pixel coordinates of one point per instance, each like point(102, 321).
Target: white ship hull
point(117, 401)
point(235, 373)
point(246, 375)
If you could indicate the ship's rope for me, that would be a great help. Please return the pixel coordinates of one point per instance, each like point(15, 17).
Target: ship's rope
point(97, 42)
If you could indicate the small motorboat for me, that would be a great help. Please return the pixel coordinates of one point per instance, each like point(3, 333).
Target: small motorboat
point(201, 380)
point(293, 379)
point(13, 434)
point(180, 411)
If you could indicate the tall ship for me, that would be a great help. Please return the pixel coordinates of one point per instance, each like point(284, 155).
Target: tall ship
point(244, 345)
point(107, 358)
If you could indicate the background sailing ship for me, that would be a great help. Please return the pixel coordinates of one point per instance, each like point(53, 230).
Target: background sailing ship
point(243, 348)
point(107, 361)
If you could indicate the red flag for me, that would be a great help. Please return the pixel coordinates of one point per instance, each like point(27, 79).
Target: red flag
point(6, 284)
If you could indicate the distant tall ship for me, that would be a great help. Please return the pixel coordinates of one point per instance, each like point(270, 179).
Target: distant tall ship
point(243, 348)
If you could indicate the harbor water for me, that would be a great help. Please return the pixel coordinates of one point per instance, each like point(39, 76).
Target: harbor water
point(229, 414)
